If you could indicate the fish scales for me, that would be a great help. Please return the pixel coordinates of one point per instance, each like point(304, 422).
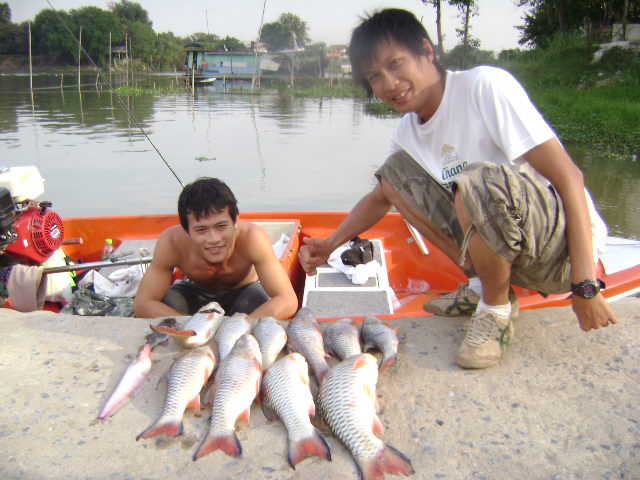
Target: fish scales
point(342, 338)
point(198, 329)
point(231, 329)
point(271, 337)
point(235, 386)
point(377, 335)
point(185, 379)
point(304, 337)
point(347, 402)
point(285, 391)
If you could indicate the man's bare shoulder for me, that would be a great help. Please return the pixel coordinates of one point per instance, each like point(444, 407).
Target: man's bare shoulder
point(172, 246)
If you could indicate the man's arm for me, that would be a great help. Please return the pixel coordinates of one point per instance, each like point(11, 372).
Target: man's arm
point(366, 213)
point(283, 302)
point(155, 282)
point(552, 161)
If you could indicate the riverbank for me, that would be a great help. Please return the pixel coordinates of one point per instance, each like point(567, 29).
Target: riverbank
point(562, 404)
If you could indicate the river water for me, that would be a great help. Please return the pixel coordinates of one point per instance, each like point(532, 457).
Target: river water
point(275, 151)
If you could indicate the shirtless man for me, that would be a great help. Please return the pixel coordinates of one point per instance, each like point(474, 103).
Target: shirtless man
point(226, 260)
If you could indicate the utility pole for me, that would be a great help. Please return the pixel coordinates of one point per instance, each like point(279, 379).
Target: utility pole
point(79, 54)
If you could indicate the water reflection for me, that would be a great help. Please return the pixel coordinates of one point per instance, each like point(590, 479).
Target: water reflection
point(277, 152)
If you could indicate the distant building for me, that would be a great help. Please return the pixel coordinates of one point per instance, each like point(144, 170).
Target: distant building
point(337, 51)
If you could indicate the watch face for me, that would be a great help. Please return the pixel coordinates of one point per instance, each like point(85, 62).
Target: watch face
point(589, 290)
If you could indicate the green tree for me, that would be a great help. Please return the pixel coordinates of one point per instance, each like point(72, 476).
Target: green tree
point(170, 51)
point(438, 6)
point(5, 14)
point(467, 9)
point(51, 38)
point(96, 26)
point(289, 31)
point(131, 12)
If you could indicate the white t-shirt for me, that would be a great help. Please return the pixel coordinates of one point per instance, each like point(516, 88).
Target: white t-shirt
point(485, 116)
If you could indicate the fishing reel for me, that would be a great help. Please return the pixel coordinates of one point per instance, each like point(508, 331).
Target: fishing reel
point(29, 231)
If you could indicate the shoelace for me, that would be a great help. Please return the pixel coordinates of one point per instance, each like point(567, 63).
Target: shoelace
point(484, 328)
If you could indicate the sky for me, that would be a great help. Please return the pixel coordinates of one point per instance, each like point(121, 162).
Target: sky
point(329, 21)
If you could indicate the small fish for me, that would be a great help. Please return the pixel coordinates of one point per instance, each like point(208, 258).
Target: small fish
point(271, 337)
point(135, 376)
point(342, 338)
point(378, 335)
point(198, 329)
point(236, 384)
point(156, 338)
point(348, 404)
point(231, 329)
point(304, 336)
point(285, 391)
point(185, 379)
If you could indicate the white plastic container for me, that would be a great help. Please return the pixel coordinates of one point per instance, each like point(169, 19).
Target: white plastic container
point(24, 183)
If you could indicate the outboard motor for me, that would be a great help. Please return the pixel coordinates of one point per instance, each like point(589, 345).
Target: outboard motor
point(29, 231)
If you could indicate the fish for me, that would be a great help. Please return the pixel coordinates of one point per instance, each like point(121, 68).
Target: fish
point(134, 377)
point(198, 329)
point(230, 330)
point(342, 339)
point(157, 338)
point(285, 392)
point(377, 335)
point(304, 336)
point(271, 337)
point(235, 386)
point(347, 401)
point(186, 377)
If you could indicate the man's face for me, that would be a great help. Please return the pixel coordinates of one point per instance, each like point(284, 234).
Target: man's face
point(213, 234)
point(402, 80)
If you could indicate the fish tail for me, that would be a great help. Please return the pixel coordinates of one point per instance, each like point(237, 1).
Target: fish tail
point(388, 362)
point(228, 443)
point(313, 445)
point(172, 331)
point(387, 460)
point(173, 428)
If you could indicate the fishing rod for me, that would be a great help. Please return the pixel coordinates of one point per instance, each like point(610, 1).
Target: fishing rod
point(118, 97)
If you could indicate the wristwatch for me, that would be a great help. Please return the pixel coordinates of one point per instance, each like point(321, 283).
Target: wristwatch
point(587, 288)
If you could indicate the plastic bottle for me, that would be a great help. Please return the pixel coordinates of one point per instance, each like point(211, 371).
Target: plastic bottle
point(108, 249)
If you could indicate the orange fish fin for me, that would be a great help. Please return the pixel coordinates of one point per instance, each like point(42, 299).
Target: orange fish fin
point(378, 429)
point(361, 361)
point(172, 429)
point(195, 404)
point(387, 460)
point(313, 445)
point(245, 416)
point(228, 443)
point(387, 362)
point(172, 331)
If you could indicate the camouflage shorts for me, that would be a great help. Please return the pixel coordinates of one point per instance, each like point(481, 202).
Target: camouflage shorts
point(520, 218)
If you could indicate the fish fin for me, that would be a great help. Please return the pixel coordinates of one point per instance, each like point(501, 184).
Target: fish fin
point(387, 460)
point(228, 443)
point(360, 362)
point(195, 404)
point(387, 362)
point(173, 429)
point(312, 409)
point(378, 429)
point(268, 412)
point(245, 416)
point(313, 445)
point(369, 393)
point(172, 331)
point(163, 379)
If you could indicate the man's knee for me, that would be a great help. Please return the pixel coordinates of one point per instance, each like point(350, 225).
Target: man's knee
point(176, 300)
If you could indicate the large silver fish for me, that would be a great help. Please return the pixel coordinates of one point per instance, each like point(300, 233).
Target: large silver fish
point(236, 384)
point(271, 337)
point(231, 329)
point(347, 401)
point(285, 391)
point(342, 339)
point(377, 335)
point(198, 329)
point(135, 376)
point(186, 377)
point(304, 336)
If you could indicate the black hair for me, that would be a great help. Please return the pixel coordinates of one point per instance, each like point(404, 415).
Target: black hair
point(204, 196)
point(394, 24)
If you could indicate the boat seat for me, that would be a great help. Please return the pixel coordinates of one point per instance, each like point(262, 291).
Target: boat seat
point(330, 293)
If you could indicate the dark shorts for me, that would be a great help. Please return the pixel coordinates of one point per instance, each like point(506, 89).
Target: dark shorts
point(188, 297)
point(519, 217)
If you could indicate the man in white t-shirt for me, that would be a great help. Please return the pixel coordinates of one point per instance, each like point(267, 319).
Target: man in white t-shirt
point(477, 170)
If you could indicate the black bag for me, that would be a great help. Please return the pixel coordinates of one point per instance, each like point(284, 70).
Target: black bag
point(360, 251)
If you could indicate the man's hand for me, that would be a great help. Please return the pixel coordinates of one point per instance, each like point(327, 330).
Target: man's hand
point(592, 313)
point(313, 253)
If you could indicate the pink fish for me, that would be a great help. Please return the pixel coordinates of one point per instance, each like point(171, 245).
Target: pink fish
point(136, 374)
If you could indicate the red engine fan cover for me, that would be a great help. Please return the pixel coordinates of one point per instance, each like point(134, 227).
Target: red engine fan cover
point(39, 235)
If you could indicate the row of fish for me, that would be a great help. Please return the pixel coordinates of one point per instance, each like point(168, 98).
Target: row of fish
point(248, 368)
